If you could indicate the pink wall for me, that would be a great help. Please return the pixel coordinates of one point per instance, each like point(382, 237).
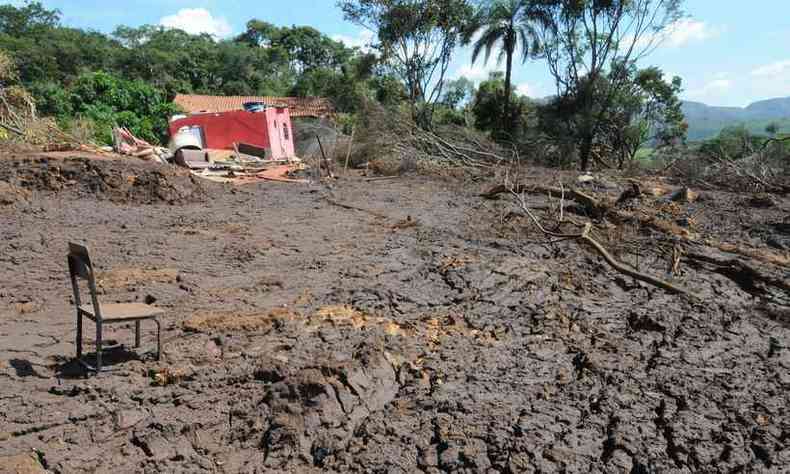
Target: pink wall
point(280, 133)
point(270, 129)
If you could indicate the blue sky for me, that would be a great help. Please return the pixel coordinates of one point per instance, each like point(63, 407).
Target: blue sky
point(727, 52)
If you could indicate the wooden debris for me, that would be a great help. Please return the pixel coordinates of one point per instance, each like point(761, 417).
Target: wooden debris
point(684, 195)
point(600, 208)
point(125, 143)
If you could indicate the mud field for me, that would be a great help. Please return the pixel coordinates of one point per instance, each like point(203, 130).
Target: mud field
point(401, 325)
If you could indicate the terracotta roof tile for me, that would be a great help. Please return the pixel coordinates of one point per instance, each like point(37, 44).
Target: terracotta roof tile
point(298, 106)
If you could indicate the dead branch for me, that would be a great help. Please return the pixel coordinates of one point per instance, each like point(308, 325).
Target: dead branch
point(384, 133)
point(11, 128)
point(594, 206)
point(620, 267)
point(354, 208)
point(348, 152)
point(773, 140)
point(600, 208)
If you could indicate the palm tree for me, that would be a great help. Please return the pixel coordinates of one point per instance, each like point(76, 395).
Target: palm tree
point(508, 25)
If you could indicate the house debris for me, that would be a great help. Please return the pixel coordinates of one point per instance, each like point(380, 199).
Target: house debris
point(297, 106)
point(230, 140)
point(125, 143)
point(270, 129)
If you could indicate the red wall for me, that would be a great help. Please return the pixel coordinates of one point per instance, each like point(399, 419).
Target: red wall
point(222, 130)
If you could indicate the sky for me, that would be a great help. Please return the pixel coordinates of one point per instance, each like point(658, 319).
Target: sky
point(727, 52)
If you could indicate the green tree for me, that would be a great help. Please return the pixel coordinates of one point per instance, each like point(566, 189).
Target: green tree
point(733, 143)
point(647, 110)
point(508, 25)
point(458, 92)
point(30, 19)
point(590, 46)
point(488, 104)
point(416, 39)
point(303, 47)
point(108, 101)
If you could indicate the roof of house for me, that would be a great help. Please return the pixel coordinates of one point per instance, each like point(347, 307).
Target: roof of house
point(298, 106)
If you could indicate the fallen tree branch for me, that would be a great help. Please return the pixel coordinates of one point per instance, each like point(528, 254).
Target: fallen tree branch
point(600, 208)
point(773, 140)
point(11, 128)
point(620, 267)
point(354, 208)
point(594, 206)
point(624, 269)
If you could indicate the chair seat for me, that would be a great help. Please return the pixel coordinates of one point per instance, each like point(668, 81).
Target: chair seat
point(122, 311)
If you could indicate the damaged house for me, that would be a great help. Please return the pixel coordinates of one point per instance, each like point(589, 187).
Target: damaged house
point(249, 125)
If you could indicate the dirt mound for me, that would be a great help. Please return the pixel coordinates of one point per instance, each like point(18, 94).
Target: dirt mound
point(114, 180)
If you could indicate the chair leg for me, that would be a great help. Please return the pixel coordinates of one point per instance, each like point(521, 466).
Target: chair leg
point(158, 338)
point(98, 346)
point(79, 335)
point(137, 334)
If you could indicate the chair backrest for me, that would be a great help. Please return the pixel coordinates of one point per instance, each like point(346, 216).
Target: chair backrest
point(80, 262)
point(80, 266)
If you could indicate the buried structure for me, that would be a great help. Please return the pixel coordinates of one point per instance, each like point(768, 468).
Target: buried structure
point(239, 137)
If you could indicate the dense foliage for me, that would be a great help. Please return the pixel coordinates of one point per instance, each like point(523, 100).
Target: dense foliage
point(129, 77)
point(95, 81)
point(511, 25)
point(416, 41)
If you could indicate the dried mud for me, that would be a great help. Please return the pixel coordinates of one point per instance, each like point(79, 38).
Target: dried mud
point(301, 336)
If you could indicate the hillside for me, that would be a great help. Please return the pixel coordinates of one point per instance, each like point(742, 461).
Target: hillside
point(706, 121)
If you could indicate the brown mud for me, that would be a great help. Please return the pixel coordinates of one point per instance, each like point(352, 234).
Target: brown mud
point(418, 329)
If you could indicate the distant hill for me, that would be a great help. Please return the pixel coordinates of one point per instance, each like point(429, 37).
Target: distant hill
point(706, 121)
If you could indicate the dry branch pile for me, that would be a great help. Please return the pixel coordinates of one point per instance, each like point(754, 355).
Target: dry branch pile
point(125, 143)
point(759, 272)
point(17, 107)
point(387, 134)
point(765, 170)
point(19, 121)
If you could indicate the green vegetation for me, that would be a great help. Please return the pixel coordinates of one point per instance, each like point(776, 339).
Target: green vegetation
point(705, 122)
point(510, 24)
point(416, 42)
point(93, 81)
point(128, 78)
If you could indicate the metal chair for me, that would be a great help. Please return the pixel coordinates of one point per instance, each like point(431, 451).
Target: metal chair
point(80, 268)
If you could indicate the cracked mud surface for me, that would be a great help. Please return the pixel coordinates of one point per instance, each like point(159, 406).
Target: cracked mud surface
point(420, 335)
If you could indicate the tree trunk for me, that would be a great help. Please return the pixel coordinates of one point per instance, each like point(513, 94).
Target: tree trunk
point(507, 122)
point(585, 148)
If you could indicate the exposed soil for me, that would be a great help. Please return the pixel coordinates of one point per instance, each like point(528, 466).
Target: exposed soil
point(401, 325)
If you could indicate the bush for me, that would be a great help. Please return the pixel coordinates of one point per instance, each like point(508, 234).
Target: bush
point(107, 101)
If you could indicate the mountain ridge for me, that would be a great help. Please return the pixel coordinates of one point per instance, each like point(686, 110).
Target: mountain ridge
point(706, 121)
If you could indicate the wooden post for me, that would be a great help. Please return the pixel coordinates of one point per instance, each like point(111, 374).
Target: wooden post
point(348, 153)
point(326, 161)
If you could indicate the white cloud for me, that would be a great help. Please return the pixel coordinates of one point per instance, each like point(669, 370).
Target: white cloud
point(681, 33)
point(196, 21)
point(775, 69)
point(524, 89)
point(686, 31)
point(363, 40)
point(477, 73)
